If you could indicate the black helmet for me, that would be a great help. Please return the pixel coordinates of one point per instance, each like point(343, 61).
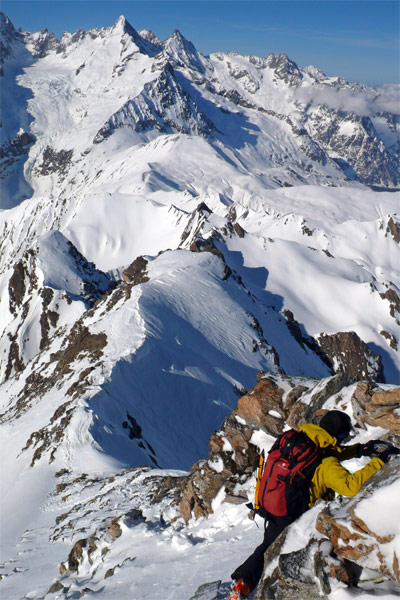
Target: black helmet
point(336, 423)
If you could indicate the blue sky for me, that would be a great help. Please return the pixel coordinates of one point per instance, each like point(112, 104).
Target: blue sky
point(355, 39)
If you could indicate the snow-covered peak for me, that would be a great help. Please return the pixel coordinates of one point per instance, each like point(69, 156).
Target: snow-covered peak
point(9, 37)
point(151, 37)
point(182, 53)
point(284, 68)
point(123, 28)
point(314, 72)
point(5, 24)
point(122, 25)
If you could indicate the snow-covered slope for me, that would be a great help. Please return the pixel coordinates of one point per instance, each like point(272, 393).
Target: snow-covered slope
point(172, 225)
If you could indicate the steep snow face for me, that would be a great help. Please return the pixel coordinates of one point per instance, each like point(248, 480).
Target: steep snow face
point(48, 289)
point(16, 138)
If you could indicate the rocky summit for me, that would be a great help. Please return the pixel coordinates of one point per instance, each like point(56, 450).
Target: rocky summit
point(197, 252)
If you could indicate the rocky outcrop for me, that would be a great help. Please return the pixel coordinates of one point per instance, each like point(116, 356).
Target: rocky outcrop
point(36, 303)
point(231, 457)
point(12, 150)
point(360, 532)
point(377, 407)
point(263, 406)
point(298, 575)
point(284, 68)
point(136, 273)
point(308, 408)
point(393, 229)
point(347, 353)
point(55, 162)
point(393, 297)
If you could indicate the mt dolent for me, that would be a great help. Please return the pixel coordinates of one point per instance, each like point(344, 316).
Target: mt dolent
point(197, 252)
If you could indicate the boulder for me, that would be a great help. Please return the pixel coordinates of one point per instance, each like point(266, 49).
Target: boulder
point(365, 529)
point(377, 407)
point(81, 549)
point(263, 406)
point(293, 575)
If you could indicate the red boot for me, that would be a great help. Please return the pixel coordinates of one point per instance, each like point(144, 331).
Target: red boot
point(240, 590)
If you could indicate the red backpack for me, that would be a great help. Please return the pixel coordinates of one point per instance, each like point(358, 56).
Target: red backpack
point(283, 481)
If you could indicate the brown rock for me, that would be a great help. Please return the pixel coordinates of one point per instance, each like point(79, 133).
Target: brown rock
point(204, 482)
point(115, 529)
point(393, 227)
point(353, 539)
point(394, 301)
point(202, 487)
point(257, 405)
point(377, 407)
point(136, 273)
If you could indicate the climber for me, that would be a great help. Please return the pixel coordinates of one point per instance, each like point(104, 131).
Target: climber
point(326, 477)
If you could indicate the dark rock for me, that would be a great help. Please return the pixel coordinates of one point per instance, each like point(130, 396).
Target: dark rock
point(393, 227)
point(393, 297)
point(55, 162)
point(133, 517)
point(310, 412)
point(201, 245)
point(135, 431)
point(297, 575)
point(15, 363)
point(240, 232)
point(284, 68)
point(196, 223)
point(207, 591)
point(17, 287)
point(56, 587)
point(349, 354)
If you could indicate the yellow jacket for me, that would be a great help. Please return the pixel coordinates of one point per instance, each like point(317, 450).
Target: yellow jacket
point(330, 476)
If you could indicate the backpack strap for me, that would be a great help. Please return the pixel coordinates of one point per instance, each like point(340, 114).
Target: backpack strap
point(259, 475)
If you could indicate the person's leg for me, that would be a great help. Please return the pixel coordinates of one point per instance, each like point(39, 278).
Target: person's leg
point(251, 570)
